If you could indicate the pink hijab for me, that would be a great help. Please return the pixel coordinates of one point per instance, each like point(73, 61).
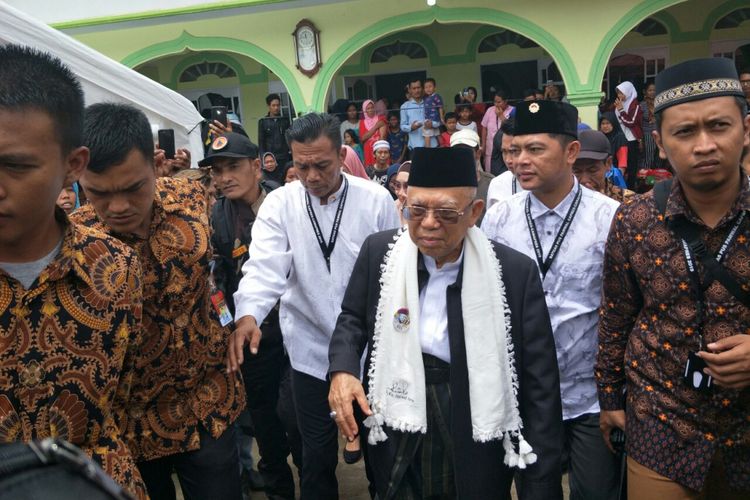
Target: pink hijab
point(353, 164)
point(369, 121)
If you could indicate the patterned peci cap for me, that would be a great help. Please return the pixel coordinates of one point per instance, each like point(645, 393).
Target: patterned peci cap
point(696, 79)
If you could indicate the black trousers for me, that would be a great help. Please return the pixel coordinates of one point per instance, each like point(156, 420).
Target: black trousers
point(262, 374)
point(634, 158)
point(319, 438)
point(210, 473)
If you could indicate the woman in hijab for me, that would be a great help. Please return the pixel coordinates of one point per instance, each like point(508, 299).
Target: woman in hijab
point(610, 127)
point(272, 171)
point(352, 164)
point(630, 117)
point(372, 128)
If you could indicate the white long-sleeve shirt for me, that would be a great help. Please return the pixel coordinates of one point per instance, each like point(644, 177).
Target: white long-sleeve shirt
point(286, 263)
point(573, 285)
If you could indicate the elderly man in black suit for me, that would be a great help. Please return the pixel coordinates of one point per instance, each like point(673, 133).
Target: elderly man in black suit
point(461, 376)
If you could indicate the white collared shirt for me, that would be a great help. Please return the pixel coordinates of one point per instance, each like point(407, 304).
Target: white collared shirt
point(286, 263)
point(433, 307)
point(503, 187)
point(573, 283)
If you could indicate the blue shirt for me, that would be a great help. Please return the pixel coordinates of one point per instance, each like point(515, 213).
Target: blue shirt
point(432, 105)
point(413, 111)
point(398, 141)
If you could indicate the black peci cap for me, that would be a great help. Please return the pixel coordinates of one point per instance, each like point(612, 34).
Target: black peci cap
point(696, 79)
point(443, 167)
point(546, 117)
point(229, 145)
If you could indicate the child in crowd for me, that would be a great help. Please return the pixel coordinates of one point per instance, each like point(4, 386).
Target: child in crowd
point(464, 118)
point(352, 140)
point(433, 113)
point(451, 121)
point(397, 138)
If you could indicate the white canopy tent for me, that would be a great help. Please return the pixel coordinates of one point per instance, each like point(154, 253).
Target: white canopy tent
point(104, 79)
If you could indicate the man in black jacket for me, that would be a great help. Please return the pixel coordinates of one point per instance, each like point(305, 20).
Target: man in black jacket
point(461, 368)
point(233, 160)
point(272, 131)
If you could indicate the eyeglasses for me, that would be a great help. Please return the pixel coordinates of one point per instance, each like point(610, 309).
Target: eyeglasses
point(446, 215)
point(745, 83)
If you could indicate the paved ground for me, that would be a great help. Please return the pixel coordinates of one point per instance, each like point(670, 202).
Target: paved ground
point(352, 480)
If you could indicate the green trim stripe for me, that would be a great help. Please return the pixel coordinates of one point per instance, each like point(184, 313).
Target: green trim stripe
point(233, 63)
point(626, 23)
point(152, 14)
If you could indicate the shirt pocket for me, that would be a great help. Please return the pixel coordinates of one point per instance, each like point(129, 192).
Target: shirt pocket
point(581, 281)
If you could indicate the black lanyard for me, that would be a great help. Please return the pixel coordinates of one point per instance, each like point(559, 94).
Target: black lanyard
point(545, 264)
point(698, 286)
point(514, 187)
point(327, 249)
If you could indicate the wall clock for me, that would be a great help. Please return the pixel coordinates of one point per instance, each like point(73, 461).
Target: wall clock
point(307, 47)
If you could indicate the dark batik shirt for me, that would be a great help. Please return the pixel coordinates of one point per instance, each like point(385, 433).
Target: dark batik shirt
point(181, 380)
point(648, 327)
point(67, 350)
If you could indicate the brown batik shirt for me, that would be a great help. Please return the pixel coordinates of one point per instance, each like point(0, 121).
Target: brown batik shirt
point(648, 327)
point(181, 381)
point(67, 350)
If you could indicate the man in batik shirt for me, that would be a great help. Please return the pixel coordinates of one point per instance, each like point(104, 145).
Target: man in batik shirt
point(70, 296)
point(183, 401)
point(669, 319)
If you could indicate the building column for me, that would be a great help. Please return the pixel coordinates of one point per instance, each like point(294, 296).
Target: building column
point(587, 103)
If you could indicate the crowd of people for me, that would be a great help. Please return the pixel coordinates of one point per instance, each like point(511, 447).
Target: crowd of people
point(471, 298)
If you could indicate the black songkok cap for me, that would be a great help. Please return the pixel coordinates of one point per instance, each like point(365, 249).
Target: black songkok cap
point(546, 117)
point(443, 167)
point(696, 79)
point(229, 145)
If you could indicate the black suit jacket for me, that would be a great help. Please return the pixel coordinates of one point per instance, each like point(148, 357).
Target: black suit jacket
point(479, 468)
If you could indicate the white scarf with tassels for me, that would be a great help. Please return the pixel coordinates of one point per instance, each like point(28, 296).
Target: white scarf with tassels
point(397, 394)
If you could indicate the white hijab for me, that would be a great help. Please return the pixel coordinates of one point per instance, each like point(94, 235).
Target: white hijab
point(628, 90)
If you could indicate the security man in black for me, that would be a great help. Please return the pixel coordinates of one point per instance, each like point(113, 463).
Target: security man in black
point(235, 167)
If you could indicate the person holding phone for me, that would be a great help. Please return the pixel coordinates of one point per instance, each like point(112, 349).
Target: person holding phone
point(665, 329)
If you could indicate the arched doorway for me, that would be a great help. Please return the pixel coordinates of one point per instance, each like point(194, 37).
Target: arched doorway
point(458, 56)
point(217, 78)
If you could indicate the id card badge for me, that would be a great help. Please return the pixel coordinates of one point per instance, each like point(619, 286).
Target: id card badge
point(220, 306)
point(694, 376)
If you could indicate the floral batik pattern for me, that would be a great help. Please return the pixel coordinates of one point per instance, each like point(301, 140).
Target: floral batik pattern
point(67, 350)
point(649, 327)
point(181, 381)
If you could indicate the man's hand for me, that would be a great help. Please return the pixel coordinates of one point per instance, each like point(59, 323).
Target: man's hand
point(246, 330)
point(181, 160)
point(217, 128)
point(346, 388)
point(730, 365)
point(415, 125)
point(428, 124)
point(608, 421)
point(161, 166)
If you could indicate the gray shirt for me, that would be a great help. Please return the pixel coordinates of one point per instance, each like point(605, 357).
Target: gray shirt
point(26, 273)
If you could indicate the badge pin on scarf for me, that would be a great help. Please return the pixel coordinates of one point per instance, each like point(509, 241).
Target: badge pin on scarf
point(401, 320)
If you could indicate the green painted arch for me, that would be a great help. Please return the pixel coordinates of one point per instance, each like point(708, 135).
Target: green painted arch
point(433, 53)
point(443, 15)
point(363, 66)
point(720, 11)
point(671, 23)
point(221, 58)
point(646, 8)
point(221, 44)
